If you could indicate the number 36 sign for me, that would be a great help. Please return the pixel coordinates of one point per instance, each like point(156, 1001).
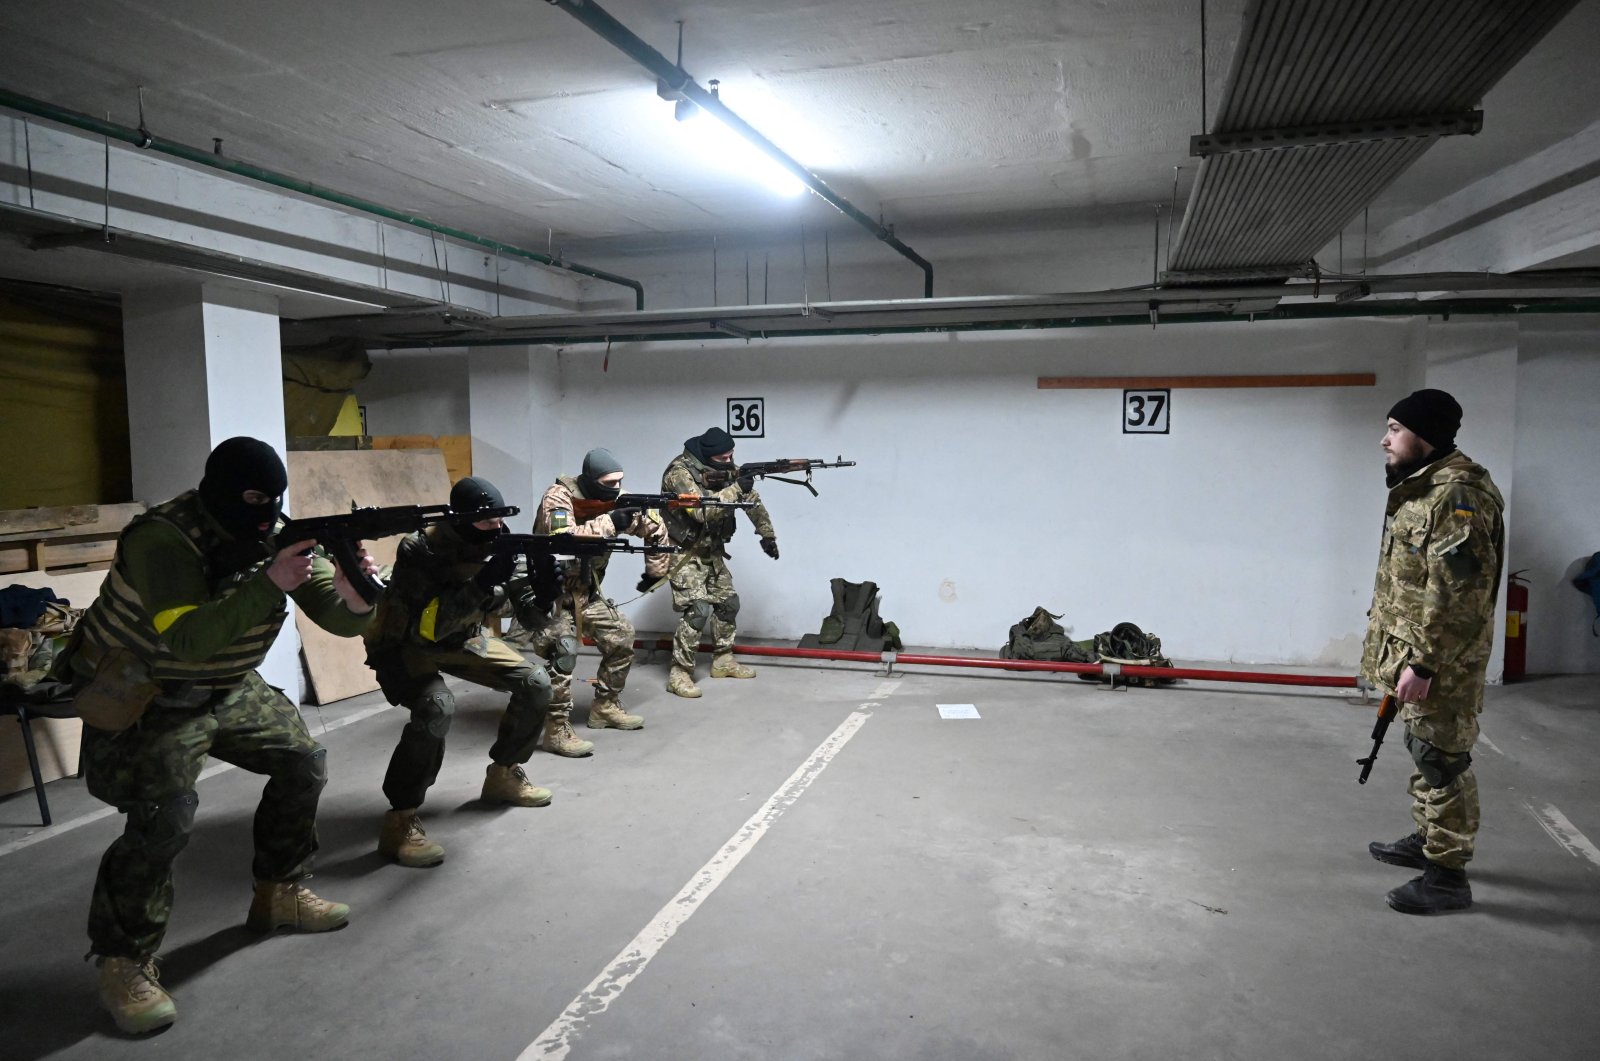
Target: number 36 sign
point(747, 418)
point(1146, 412)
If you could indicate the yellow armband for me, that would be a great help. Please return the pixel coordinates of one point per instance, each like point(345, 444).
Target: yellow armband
point(430, 616)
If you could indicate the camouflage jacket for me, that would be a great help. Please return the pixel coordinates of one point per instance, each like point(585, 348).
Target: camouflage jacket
point(432, 598)
point(555, 516)
point(700, 530)
point(1438, 581)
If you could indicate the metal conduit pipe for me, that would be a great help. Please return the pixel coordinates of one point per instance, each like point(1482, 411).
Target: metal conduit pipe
point(674, 76)
point(142, 139)
point(1324, 681)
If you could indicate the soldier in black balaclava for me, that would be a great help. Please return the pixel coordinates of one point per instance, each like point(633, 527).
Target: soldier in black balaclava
point(447, 581)
point(164, 665)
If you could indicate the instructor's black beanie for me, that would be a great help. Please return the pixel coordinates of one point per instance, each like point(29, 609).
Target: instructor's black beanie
point(1432, 415)
point(714, 441)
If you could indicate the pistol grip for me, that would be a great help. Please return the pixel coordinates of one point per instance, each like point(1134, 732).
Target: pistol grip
point(344, 555)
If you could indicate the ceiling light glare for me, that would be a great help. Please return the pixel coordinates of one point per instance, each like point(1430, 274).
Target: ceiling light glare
point(721, 146)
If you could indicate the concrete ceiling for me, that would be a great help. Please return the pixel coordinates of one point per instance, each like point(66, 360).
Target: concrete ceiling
point(509, 118)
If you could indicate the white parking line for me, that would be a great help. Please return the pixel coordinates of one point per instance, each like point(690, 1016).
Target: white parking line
point(50, 832)
point(556, 1041)
point(1564, 832)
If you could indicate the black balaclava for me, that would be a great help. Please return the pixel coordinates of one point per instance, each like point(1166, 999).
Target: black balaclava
point(469, 495)
point(1433, 416)
point(598, 462)
point(713, 443)
point(237, 465)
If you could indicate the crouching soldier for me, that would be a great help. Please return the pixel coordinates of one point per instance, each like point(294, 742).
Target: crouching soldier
point(446, 582)
point(165, 664)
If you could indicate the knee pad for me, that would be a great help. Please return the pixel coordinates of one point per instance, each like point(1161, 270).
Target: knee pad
point(433, 712)
point(697, 614)
point(310, 775)
point(161, 827)
point(564, 656)
point(1437, 766)
point(725, 610)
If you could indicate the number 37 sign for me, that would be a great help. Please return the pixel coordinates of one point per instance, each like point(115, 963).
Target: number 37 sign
point(1146, 412)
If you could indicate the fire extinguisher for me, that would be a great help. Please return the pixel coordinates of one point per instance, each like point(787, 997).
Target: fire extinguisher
point(1516, 627)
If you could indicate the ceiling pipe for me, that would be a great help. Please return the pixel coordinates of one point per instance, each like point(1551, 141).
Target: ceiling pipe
point(1445, 308)
point(677, 79)
point(141, 138)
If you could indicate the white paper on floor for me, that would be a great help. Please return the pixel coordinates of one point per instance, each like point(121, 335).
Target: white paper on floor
point(958, 711)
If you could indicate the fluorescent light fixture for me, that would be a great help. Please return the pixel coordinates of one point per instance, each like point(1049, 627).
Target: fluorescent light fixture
point(718, 145)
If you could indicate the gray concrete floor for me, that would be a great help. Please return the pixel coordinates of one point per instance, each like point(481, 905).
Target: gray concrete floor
point(1173, 873)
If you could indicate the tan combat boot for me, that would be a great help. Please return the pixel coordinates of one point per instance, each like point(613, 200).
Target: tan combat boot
point(559, 738)
point(725, 666)
point(681, 683)
point(129, 991)
point(604, 714)
point(293, 906)
point(508, 784)
point(402, 840)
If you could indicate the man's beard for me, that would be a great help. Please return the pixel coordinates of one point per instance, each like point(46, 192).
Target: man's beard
point(1395, 474)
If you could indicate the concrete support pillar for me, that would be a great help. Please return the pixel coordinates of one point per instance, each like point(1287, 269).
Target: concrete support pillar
point(516, 438)
point(204, 364)
point(1477, 363)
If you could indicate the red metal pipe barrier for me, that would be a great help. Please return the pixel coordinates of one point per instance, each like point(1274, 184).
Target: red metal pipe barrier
point(1327, 681)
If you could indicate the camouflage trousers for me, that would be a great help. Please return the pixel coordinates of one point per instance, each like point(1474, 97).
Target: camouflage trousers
point(1440, 732)
point(412, 677)
point(557, 641)
point(705, 600)
point(148, 772)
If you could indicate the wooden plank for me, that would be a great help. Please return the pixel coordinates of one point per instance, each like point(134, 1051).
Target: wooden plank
point(31, 520)
point(324, 483)
point(457, 449)
point(103, 520)
point(1351, 379)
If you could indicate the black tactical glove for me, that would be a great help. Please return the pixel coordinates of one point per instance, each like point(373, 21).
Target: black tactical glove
point(646, 583)
point(747, 483)
point(770, 547)
point(495, 571)
point(622, 519)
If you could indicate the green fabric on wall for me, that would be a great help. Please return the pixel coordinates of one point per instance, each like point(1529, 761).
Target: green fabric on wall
point(63, 403)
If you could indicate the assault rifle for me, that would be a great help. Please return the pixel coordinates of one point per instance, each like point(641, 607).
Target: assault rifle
point(340, 535)
point(1386, 713)
point(770, 470)
point(541, 550)
point(585, 509)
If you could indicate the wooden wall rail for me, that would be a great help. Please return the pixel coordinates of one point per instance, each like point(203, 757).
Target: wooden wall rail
point(1353, 379)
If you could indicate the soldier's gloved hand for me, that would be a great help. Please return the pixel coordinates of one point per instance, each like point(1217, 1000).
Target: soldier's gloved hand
point(770, 547)
point(622, 519)
point(495, 571)
point(747, 484)
point(646, 583)
point(717, 478)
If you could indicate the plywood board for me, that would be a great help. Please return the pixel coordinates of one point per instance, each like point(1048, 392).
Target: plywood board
point(457, 449)
point(323, 483)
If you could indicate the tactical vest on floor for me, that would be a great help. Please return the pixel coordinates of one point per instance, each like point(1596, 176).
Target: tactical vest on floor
point(1039, 636)
point(118, 619)
point(854, 624)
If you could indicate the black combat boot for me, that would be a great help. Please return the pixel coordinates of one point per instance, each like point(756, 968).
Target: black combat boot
point(1406, 851)
point(1437, 891)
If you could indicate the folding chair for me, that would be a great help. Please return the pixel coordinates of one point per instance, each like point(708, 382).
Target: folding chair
point(42, 700)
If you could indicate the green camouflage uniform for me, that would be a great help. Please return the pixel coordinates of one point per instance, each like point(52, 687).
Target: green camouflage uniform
point(582, 610)
point(197, 610)
point(430, 623)
point(1433, 607)
point(702, 587)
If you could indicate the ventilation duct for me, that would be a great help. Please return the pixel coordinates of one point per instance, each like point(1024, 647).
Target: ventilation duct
point(1327, 102)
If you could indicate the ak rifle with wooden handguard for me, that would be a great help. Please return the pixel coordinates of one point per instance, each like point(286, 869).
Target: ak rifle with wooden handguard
point(1386, 713)
point(585, 509)
point(777, 470)
point(341, 535)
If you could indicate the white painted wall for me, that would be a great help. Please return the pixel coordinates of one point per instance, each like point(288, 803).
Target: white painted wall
point(416, 392)
point(1249, 534)
point(515, 394)
point(1556, 505)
